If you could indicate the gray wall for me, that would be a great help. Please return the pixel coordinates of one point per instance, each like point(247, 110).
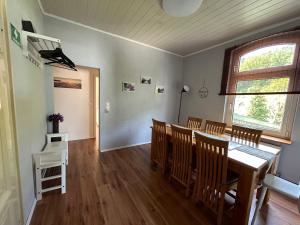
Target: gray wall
point(30, 98)
point(119, 60)
point(207, 66)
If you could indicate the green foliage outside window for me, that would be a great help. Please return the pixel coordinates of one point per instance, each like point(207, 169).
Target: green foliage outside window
point(279, 57)
point(258, 108)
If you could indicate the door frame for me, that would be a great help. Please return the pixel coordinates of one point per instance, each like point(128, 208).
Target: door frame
point(94, 72)
point(10, 100)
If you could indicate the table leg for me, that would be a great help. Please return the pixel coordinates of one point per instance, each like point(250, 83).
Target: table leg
point(244, 197)
point(267, 196)
point(260, 179)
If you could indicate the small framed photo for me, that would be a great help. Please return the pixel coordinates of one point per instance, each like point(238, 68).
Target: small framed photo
point(128, 87)
point(60, 82)
point(159, 89)
point(146, 80)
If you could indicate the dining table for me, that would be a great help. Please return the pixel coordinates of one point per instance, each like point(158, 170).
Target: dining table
point(250, 163)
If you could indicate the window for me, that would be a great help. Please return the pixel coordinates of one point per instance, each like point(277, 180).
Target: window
point(262, 84)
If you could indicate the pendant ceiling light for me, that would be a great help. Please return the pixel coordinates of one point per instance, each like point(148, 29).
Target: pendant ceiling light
point(181, 8)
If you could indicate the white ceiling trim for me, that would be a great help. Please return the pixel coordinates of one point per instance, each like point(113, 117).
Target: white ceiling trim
point(244, 36)
point(105, 32)
point(163, 50)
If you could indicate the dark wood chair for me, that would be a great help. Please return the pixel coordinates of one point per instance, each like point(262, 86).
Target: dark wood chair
point(213, 127)
point(194, 123)
point(246, 136)
point(182, 143)
point(212, 179)
point(159, 145)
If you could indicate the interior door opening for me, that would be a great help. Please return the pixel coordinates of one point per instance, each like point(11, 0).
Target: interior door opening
point(76, 97)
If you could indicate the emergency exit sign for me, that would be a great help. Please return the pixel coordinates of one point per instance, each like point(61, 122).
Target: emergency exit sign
point(15, 35)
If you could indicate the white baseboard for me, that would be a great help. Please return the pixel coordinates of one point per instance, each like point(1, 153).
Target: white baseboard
point(125, 146)
point(31, 212)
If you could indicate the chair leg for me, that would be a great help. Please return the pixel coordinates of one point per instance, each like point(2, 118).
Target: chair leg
point(221, 209)
point(153, 164)
point(219, 219)
point(259, 204)
point(67, 157)
point(63, 178)
point(38, 183)
point(187, 191)
point(170, 178)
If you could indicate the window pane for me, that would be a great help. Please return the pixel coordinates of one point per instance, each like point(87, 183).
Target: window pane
point(267, 85)
point(260, 111)
point(268, 57)
point(263, 112)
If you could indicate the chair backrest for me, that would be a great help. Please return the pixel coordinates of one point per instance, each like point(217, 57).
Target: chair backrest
point(212, 162)
point(194, 123)
point(246, 135)
point(182, 143)
point(213, 127)
point(159, 144)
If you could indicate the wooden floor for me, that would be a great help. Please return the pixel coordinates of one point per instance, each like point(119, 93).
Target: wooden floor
point(119, 187)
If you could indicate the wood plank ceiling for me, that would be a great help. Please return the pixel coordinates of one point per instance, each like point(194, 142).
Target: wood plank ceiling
point(144, 21)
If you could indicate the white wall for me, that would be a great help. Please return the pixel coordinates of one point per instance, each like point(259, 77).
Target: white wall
point(207, 66)
point(119, 60)
point(76, 105)
point(29, 84)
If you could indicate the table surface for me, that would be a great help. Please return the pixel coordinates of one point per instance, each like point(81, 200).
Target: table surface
point(234, 154)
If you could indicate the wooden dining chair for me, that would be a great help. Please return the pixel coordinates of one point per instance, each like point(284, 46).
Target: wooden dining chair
point(246, 136)
point(194, 123)
point(181, 169)
point(212, 179)
point(213, 127)
point(159, 145)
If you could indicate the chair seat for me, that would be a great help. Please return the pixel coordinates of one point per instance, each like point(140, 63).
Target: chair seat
point(282, 186)
point(50, 160)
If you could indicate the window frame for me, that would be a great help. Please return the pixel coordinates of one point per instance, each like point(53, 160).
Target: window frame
point(287, 121)
point(272, 72)
point(289, 71)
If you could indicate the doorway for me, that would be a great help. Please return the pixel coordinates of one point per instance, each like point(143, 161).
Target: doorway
point(76, 97)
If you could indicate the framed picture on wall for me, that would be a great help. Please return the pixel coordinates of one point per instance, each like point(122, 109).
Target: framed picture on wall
point(60, 82)
point(146, 80)
point(128, 87)
point(159, 89)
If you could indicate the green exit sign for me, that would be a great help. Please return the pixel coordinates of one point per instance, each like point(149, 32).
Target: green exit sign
point(15, 35)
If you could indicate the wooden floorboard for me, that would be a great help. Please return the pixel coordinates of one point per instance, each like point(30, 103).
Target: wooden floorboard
point(120, 188)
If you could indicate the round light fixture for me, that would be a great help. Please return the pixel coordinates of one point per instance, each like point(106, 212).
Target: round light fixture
point(180, 8)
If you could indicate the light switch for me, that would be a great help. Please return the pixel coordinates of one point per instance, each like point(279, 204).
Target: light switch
point(107, 107)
